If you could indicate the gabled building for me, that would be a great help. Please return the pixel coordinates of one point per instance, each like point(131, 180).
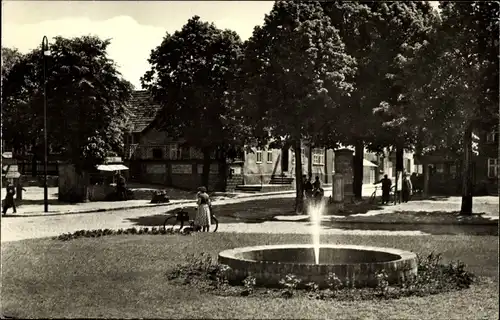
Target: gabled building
point(153, 157)
point(487, 162)
point(443, 170)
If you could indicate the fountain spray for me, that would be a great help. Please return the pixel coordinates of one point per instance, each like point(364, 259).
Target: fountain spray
point(315, 210)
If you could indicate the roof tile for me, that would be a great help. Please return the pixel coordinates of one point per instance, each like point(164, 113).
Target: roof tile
point(143, 109)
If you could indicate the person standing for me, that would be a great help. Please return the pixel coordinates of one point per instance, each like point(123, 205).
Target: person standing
point(203, 215)
point(386, 189)
point(318, 192)
point(308, 188)
point(121, 187)
point(406, 188)
point(317, 183)
point(9, 198)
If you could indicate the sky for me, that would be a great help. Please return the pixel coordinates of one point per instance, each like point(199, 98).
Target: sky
point(134, 27)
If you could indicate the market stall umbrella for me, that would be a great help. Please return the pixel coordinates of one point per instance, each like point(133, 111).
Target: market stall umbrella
point(111, 167)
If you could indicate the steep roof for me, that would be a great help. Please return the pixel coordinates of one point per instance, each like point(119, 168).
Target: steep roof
point(143, 109)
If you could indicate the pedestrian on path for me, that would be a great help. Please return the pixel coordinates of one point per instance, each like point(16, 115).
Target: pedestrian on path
point(203, 215)
point(9, 198)
point(318, 192)
point(406, 188)
point(308, 187)
point(386, 189)
point(121, 187)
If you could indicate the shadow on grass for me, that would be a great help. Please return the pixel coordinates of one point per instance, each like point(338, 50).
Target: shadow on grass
point(477, 218)
point(354, 208)
point(254, 211)
point(434, 229)
point(159, 219)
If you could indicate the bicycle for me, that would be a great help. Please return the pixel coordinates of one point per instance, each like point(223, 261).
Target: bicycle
point(373, 196)
point(182, 216)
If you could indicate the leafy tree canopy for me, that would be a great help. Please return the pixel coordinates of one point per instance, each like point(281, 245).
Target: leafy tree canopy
point(190, 76)
point(296, 72)
point(10, 56)
point(86, 100)
point(450, 80)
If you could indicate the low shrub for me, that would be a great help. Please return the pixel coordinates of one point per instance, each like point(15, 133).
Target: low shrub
point(290, 283)
point(433, 277)
point(109, 232)
point(160, 196)
point(249, 284)
point(202, 271)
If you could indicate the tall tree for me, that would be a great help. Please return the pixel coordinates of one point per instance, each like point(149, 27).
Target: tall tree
point(375, 33)
point(451, 83)
point(191, 71)
point(10, 56)
point(86, 101)
point(296, 72)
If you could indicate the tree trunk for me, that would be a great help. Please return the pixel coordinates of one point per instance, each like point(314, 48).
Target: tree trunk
point(467, 186)
point(310, 160)
point(34, 166)
point(325, 159)
point(357, 184)
point(299, 193)
point(206, 167)
point(223, 170)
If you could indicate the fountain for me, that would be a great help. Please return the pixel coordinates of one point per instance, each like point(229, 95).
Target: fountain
point(357, 265)
point(315, 210)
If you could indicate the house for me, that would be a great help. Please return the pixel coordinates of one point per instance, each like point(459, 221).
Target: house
point(153, 157)
point(443, 170)
point(277, 166)
point(486, 162)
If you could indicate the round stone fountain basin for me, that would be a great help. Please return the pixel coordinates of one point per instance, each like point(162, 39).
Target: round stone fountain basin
point(356, 264)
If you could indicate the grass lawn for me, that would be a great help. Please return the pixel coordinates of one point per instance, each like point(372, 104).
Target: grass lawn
point(124, 277)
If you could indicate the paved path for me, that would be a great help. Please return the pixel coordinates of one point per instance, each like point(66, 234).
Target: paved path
point(19, 228)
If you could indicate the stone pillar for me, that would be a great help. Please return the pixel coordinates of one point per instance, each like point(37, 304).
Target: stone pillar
point(19, 189)
point(425, 169)
point(338, 192)
point(343, 165)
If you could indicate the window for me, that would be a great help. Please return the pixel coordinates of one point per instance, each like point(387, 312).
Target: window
point(453, 170)
point(492, 168)
point(492, 136)
point(174, 152)
point(157, 153)
point(185, 152)
point(258, 156)
point(440, 168)
point(318, 157)
point(269, 157)
point(195, 153)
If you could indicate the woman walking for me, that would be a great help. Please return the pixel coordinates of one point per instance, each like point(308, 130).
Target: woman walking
point(9, 201)
point(407, 188)
point(203, 215)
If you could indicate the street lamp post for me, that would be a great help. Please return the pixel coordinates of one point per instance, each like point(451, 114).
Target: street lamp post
point(45, 53)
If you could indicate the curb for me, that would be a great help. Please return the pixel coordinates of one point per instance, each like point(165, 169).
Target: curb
point(152, 205)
